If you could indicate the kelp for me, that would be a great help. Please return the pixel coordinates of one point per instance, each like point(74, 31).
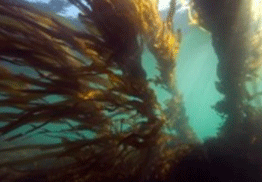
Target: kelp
point(237, 43)
point(97, 73)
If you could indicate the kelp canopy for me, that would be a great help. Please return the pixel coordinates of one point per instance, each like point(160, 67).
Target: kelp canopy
point(97, 75)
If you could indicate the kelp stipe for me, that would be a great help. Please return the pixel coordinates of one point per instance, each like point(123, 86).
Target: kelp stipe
point(98, 75)
point(235, 155)
point(232, 43)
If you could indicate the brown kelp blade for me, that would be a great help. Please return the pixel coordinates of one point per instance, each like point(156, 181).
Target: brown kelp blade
point(92, 84)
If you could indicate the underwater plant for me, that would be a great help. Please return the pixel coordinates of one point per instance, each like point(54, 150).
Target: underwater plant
point(233, 42)
point(113, 127)
point(97, 73)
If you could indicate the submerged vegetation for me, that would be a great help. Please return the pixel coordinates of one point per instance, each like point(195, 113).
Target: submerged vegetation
point(114, 126)
point(98, 75)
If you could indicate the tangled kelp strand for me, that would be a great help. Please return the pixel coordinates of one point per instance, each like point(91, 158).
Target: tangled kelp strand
point(98, 75)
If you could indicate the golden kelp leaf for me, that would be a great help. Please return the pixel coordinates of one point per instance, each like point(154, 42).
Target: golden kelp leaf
point(115, 80)
point(10, 22)
point(161, 41)
point(91, 95)
point(104, 97)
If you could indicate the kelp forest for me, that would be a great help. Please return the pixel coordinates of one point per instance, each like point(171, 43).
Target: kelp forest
point(112, 126)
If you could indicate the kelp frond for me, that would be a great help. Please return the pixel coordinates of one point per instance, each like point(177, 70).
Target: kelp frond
point(254, 61)
point(162, 42)
point(195, 15)
point(97, 78)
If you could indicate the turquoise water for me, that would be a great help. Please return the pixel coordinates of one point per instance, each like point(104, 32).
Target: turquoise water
point(196, 76)
point(196, 71)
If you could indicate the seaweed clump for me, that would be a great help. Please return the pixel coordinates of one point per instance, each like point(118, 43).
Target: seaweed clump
point(231, 40)
point(101, 86)
point(235, 154)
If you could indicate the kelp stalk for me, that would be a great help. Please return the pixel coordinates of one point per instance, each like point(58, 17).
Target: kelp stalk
point(230, 39)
